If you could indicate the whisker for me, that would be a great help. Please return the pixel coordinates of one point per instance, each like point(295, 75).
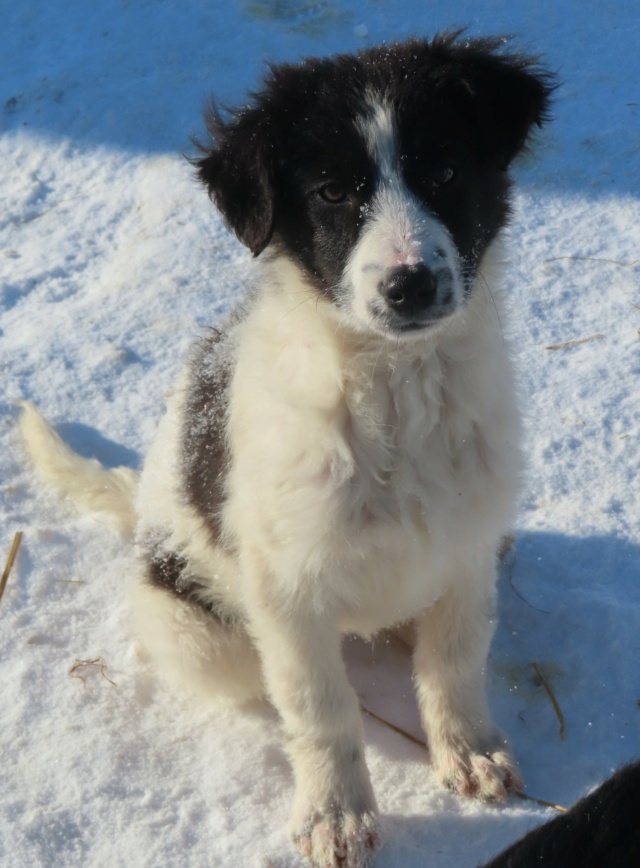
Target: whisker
point(295, 307)
point(484, 283)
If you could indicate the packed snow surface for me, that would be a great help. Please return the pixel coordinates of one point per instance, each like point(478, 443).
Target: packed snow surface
point(113, 261)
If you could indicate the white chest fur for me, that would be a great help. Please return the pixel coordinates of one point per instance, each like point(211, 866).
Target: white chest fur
point(365, 472)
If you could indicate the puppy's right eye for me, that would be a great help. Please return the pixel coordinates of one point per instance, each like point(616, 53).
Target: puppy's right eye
point(334, 194)
point(443, 176)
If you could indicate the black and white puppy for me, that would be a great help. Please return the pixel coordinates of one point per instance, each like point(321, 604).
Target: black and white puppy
point(343, 455)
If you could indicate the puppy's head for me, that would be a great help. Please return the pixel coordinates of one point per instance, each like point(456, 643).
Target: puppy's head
point(383, 175)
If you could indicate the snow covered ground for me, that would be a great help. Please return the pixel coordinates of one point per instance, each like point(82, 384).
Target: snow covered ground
point(112, 260)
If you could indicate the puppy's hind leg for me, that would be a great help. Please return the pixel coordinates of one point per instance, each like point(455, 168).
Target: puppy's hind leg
point(196, 644)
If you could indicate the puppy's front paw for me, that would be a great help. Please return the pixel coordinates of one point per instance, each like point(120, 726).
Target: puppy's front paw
point(488, 775)
point(343, 840)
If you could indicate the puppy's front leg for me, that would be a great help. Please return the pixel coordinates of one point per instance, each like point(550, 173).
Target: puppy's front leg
point(467, 751)
point(334, 814)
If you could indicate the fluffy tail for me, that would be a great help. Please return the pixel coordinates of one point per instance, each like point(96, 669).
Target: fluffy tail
point(84, 480)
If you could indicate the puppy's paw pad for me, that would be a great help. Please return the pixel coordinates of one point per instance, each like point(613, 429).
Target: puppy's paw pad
point(508, 769)
point(487, 776)
point(348, 841)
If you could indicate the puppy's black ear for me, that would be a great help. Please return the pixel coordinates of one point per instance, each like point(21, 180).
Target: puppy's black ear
point(508, 93)
point(237, 171)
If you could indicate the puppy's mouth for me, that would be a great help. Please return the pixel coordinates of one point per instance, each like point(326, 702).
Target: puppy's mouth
point(393, 326)
point(408, 327)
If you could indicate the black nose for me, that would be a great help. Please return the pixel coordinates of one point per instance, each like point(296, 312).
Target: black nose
point(409, 290)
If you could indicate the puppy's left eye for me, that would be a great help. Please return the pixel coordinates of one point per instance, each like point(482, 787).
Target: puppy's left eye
point(443, 176)
point(334, 194)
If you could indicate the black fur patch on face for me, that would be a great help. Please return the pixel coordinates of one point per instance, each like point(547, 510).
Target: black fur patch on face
point(205, 455)
point(320, 157)
point(293, 168)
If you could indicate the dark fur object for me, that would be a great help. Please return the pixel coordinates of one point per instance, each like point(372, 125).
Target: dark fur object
point(600, 831)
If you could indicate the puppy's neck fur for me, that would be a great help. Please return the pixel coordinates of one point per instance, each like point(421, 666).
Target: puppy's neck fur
point(302, 318)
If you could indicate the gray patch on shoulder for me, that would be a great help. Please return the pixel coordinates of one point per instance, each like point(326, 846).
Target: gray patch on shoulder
point(205, 452)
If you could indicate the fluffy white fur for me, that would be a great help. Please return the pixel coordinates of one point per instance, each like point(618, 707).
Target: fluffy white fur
point(377, 491)
point(374, 457)
point(84, 480)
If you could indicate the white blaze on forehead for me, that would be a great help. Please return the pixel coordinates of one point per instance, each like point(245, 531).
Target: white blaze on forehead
point(406, 226)
point(398, 228)
point(378, 129)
